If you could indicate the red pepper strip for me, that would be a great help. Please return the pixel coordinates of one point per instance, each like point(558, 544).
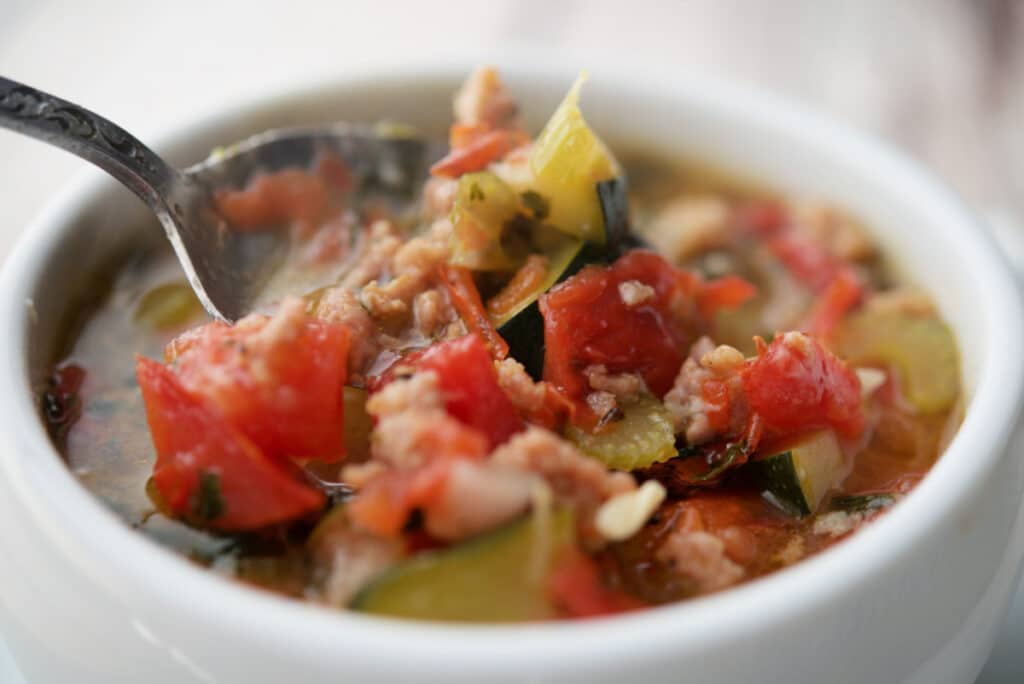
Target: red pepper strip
point(576, 588)
point(479, 153)
point(838, 298)
point(724, 293)
point(466, 299)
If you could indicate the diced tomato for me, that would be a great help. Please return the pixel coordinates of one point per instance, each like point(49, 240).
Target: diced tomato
point(384, 504)
point(838, 298)
point(479, 152)
point(576, 588)
point(278, 380)
point(466, 300)
point(587, 322)
point(207, 470)
point(796, 385)
point(470, 387)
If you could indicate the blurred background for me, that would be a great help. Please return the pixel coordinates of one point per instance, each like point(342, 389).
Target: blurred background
point(941, 79)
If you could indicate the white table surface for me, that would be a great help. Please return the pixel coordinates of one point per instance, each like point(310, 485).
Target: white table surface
point(954, 100)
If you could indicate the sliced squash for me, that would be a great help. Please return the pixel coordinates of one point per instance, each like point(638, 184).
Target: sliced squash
point(922, 350)
point(642, 437)
point(567, 162)
point(798, 478)
point(499, 576)
point(483, 206)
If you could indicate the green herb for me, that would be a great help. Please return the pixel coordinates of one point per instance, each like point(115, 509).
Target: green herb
point(475, 193)
point(732, 453)
point(537, 204)
point(209, 504)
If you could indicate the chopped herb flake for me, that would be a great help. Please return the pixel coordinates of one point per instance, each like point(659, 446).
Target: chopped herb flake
point(537, 204)
point(209, 504)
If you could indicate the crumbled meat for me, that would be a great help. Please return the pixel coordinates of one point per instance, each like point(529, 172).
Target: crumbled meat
point(794, 550)
point(526, 394)
point(374, 262)
point(409, 411)
point(477, 497)
point(420, 392)
point(837, 523)
point(700, 557)
point(634, 293)
point(339, 305)
point(392, 299)
point(624, 386)
point(902, 301)
point(838, 233)
point(483, 100)
point(575, 479)
point(602, 403)
point(379, 301)
point(431, 312)
point(685, 401)
point(689, 226)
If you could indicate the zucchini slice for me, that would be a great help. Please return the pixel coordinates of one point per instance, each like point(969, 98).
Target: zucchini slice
point(499, 576)
point(797, 479)
point(567, 160)
point(643, 437)
point(921, 348)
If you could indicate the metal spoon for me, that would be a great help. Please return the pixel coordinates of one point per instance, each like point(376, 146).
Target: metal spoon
point(226, 268)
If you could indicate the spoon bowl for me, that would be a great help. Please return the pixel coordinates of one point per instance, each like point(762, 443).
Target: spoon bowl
point(227, 268)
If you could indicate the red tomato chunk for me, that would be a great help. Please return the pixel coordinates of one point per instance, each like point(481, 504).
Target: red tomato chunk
point(587, 322)
point(278, 380)
point(796, 385)
point(206, 469)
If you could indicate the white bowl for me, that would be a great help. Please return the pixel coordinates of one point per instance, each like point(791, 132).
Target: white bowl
point(915, 597)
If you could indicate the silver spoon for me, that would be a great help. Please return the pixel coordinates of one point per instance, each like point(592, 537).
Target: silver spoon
point(226, 268)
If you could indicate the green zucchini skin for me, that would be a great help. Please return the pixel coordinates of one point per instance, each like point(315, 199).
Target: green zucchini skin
point(798, 480)
point(499, 576)
point(524, 331)
point(778, 476)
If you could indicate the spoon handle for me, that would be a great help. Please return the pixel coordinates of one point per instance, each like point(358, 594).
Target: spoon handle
point(24, 109)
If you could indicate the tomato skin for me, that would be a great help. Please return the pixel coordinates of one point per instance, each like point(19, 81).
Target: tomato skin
point(281, 387)
point(796, 385)
point(470, 387)
point(192, 440)
point(586, 322)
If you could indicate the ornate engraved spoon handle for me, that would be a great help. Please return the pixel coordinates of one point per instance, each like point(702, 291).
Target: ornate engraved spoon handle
point(66, 125)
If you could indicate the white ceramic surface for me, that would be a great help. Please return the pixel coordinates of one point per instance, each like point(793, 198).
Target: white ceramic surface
point(916, 597)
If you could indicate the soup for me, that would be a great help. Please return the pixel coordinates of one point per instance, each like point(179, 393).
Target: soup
point(536, 394)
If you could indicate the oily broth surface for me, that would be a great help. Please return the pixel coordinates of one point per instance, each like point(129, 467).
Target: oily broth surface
point(110, 451)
